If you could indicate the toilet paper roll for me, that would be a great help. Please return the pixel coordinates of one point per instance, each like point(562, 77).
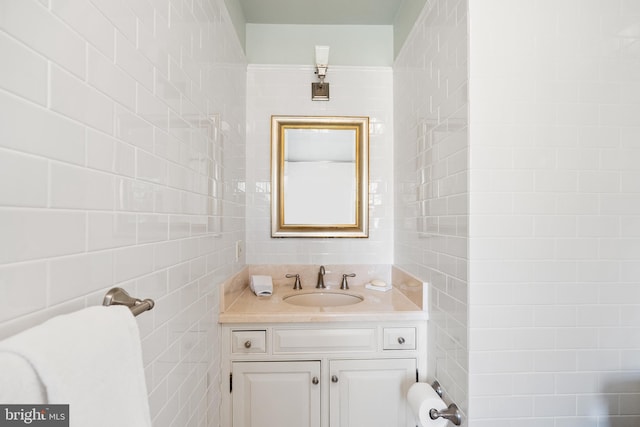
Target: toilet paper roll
point(422, 397)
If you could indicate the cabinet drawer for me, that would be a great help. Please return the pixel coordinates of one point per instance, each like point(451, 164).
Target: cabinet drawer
point(399, 339)
point(248, 342)
point(323, 340)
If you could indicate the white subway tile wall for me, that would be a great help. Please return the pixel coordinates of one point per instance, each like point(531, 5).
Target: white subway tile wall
point(431, 180)
point(114, 120)
point(286, 90)
point(555, 202)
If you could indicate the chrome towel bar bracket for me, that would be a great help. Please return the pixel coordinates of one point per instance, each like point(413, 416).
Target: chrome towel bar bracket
point(118, 296)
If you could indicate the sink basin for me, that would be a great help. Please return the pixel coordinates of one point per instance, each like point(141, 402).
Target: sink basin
point(323, 299)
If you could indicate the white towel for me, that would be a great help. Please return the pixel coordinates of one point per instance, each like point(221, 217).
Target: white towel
point(19, 383)
point(261, 285)
point(90, 359)
point(379, 288)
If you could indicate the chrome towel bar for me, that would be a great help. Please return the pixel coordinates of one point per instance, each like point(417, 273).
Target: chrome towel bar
point(118, 296)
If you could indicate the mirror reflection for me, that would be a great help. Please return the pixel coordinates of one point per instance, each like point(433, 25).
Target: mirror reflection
point(319, 176)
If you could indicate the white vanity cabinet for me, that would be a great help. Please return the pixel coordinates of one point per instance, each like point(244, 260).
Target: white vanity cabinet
point(264, 394)
point(321, 374)
point(370, 392)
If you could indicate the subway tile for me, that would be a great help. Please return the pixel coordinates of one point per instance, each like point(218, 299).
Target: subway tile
point(110, 155)
point(598, 360)
point(618, 338)
point(630, 182)
point(77, 275)
point(26, 75)
point(131, 60)
point(23, 288)
point(533, 383)
point(554, 406)
point(83, 17)
point(556, 181)
point(30, 172)
point(110, 230)
point(179, 227)
point(556, 226)
point(553, 361)
point(150, 167)
point(152, 109)
point(576, 338)
point(503, 406)
point(600, 271)
point(167, 92)
point(103, 75)
point(143, 10)
point(500, 362)
point(153, 286)
point(576, 382)
point(120, 15)
point(130, 128)
point(19, 133)
point(152, 228)
point(45, 34)
point(33, 234)
point(75, 187)
point(598, 182)
point(101, 147)
point(132, 262)
point(76, 100)
point(168, 200)
point(179, 276)
point(132, 195)
point(166, 254)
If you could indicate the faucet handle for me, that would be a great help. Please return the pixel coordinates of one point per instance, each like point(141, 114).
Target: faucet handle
point(297, 285)
point(344, 284)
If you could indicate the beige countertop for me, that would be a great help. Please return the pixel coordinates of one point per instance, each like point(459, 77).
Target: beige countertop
point(377, 305)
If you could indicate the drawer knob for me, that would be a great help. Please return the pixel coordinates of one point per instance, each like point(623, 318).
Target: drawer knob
point(334, 378)
point(400, 340)
point(315, 380)
point(247, 344)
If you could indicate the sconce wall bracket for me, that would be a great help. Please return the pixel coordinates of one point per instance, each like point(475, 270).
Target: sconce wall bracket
point(320, 91)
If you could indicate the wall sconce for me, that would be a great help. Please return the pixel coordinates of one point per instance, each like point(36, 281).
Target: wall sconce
point(320, 90)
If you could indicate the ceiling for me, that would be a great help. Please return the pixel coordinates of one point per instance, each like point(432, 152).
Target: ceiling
point(324, 12)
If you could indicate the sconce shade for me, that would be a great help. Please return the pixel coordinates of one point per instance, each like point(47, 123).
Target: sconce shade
point(322, 56)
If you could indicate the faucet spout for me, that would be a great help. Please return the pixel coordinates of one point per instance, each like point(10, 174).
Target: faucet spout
point(321, 274)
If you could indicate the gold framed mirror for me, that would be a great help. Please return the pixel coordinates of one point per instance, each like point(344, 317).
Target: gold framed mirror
point(319, 176)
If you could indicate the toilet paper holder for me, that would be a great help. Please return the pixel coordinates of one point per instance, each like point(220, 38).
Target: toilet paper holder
point(452, 413)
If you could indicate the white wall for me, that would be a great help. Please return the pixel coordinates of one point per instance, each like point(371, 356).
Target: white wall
point(286, 90)
point(356, 45)
point(554, 213)
point(114, 120)
point(431, 180)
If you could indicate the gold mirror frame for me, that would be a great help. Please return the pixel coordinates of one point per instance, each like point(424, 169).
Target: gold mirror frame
point(357, 228)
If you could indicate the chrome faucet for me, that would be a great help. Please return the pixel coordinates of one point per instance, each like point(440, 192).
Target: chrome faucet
point(297, 285)
point(345, 284)
point(321, 273)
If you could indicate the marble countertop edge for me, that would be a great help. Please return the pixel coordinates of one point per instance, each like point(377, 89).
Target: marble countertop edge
point(388, 306)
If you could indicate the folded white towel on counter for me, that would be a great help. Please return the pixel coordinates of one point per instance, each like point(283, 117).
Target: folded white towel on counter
point(261, 285)
point(90, 360)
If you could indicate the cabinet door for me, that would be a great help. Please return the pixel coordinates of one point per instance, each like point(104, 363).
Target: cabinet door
point(282, 394)
point(370, 393)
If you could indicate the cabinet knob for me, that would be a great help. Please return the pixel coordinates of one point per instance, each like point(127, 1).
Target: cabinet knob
point(247, 344)
point(315, 380)
point(400, 340)
point(334, 378)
